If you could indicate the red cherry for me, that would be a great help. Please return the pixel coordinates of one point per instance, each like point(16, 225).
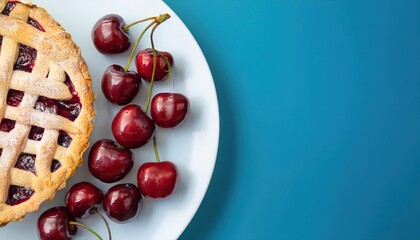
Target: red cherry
point(157, 179)
point(83, 198)
point(168, 110)
point(144, 64)
point(122, 202)
point(109, 162)
point(131, 127)
point(53, 224)
point(109, 35)
point(120, 86)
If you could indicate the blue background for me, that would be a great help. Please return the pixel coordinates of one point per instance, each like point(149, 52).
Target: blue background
point(320, 118)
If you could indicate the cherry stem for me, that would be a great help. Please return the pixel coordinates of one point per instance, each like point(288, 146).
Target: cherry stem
point(167, 64)
point(155, 147)
point(135, 46)
point(86, 227)
point(157, 20)
point(152, 81)
point(95, 211)
point(149, 95)
point(126, 27)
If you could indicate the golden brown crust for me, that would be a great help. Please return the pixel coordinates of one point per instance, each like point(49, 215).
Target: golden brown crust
point(59, 52)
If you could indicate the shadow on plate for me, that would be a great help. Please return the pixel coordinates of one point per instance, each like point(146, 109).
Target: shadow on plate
point(222, 181)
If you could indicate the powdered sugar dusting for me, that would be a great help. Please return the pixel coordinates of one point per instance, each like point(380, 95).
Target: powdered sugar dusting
point(3, 74)
point(10, 27)
point(34, 83)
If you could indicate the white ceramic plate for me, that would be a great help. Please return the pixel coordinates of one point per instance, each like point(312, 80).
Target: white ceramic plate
point(192, 146)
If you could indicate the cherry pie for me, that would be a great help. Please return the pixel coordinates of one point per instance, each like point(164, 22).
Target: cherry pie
point(46, 108)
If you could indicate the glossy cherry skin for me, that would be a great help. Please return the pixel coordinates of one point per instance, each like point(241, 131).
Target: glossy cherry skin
point(53, 224)
point(131, 127)
point(144, 64)
point(119, 86)
point(122, 202)
point(108, 35)
point(82, 198)
point(109, 162)
point(168, 110)
point(157, 179)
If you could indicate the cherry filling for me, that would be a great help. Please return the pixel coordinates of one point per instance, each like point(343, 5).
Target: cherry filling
point(26, 162)
point(69, 109)
point(34, 23)
point(7, 125)
point(18, 195)
point(64, 139)
point(26, 58)
point(55, 165)
point(9, 7)
point(36, 133)
point(14, 97)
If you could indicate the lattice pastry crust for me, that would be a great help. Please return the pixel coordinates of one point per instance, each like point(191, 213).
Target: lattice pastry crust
point(57, 59)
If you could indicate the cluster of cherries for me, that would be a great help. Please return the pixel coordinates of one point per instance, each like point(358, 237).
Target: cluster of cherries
point(110, 161)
